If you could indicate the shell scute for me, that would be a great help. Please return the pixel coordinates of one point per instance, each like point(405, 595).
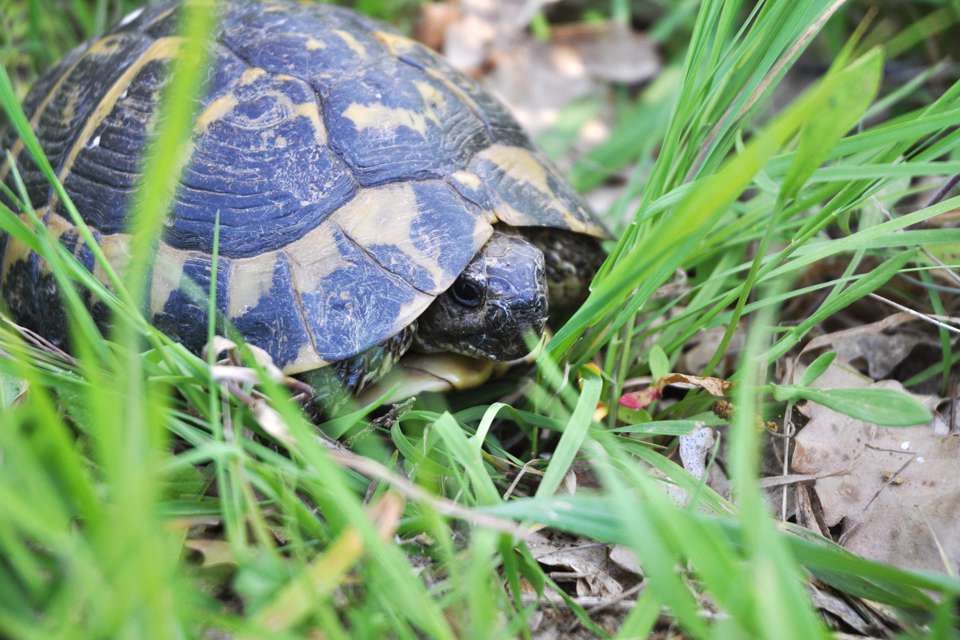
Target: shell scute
point(355, 301)
point(260, 162)
point(392, 122)
point(276, 322)
point(66, 112)
point(317, 43)
point(528, 192)
point(502, 126)
point(102, 169)
point(183, 315)
point(422, 232)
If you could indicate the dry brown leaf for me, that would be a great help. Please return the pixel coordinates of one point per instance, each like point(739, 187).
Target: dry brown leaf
point(215, 552)
point(611, 51)
point(881, 351)
point(717, 387)
point(643, 398)
point(896, 493)
point(839, 607)
point(587, 560)
point(434, 20)
point(538, 79)
point(271, 422)
point(625, 558)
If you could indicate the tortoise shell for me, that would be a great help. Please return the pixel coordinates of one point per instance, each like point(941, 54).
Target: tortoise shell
point(353, 172)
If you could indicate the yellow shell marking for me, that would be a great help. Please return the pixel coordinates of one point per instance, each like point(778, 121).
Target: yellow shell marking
point(352, 42)
point(380, 116)
point(250, 280)
point(313, 44)
point(166, 275)
point(384, 214)
point(311, 112)
point(394, 43)
point(523, 167)
point(15, 251)
point(519, 164)
point(313, 256)
point(70, 109)
point(306, 359)
point(432, 98)
point(252, 74)
point(215, 111)
point(461, 95)
point(162, 49)
point(116, 249)
point(104, 46)
point(226, 103)
point(467, 179)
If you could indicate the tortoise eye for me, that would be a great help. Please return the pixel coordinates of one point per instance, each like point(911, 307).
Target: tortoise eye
point(467, 293)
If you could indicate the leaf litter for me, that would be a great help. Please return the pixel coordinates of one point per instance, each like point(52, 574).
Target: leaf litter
point(540, 76)
point(894, 495)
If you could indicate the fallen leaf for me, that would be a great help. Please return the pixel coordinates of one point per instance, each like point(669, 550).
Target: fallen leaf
point(882, 345)
point(837, 606)
point(536, 78)
point(214, 552)
point(271, 422)
point(434, 21)
point(894, 493)
point(625, 558)
point(588, 560)
point(611, 51)
point(714, 386)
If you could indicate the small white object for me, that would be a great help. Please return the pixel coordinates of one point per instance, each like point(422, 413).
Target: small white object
point(905, 445)
point(920, 460)
point(130, 17)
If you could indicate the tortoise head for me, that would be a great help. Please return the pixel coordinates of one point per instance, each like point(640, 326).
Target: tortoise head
point(492, 308)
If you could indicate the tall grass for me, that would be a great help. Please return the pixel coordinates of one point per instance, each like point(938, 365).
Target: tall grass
point(123, 459)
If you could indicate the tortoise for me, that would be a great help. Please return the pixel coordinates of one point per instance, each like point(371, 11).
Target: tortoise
point(369, 198)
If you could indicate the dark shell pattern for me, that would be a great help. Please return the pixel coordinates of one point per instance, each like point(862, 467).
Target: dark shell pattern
point(353, 171)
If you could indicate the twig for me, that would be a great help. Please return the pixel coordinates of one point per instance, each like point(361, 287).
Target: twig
point(771, 482)
point(944, 191)
point(523, 470)
point(917, 314)
point(617, 598)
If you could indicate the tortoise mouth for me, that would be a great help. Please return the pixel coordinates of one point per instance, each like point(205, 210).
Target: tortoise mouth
point(418, 372)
